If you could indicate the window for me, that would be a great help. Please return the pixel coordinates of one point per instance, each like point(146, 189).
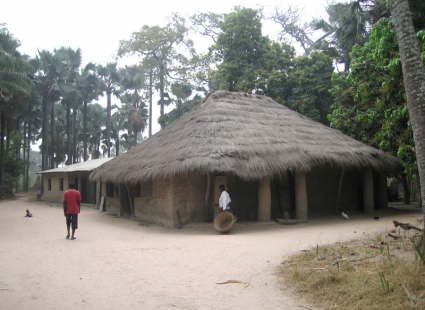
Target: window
point(61, 184)
point(146, 190)
point(134, 191)
point(110, 189)
point(49, 184)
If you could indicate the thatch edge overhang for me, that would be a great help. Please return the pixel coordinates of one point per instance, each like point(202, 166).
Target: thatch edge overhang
point(249, 136)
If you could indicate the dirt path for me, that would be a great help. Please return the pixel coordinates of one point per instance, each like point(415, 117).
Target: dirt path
point(116, 263)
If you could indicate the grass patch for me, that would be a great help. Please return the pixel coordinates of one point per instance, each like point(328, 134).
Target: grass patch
point(374, 273)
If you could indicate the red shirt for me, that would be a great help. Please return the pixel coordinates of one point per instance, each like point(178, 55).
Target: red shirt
point(71, 197)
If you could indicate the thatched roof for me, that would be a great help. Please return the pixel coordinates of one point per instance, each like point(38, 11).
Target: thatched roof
point(249, 136)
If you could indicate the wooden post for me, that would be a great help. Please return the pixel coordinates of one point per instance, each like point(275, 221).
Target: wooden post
point(382, 191)
point(301, 206)
point(207, 197)
point(339, 192)
point(169, 201)
point(264, 200)
point(98, 194)
point(368, 202)
point(218, 180)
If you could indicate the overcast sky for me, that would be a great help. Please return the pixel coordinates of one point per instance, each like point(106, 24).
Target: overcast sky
point(96, 26)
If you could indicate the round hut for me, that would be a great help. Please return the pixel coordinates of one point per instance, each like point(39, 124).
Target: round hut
point(274, 162)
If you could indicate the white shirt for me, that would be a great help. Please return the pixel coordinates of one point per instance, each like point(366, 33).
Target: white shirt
point(224, 200)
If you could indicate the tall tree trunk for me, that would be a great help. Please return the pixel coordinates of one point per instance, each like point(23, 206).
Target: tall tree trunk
point(68, 133)
point(24, 157)
point(2, 128)
point(406, 189)
point(85, 157)
point(28, 156)
point(150, 101)
point(45, 142)
point(414, 80)
point(7, 153)
point(18, 155)
point(108, 122)
point(161, 90)
point(52, 128)
point(74, 136)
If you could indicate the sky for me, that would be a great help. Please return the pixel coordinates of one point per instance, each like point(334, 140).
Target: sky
point(97, 26)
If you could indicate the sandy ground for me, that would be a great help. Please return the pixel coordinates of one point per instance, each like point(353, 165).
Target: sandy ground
point(116, 263)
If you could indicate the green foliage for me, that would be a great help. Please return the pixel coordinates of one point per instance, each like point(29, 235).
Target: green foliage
point(369, 100)
point(13, 168)
point(417, 8)
point(183, 104)
point(252, 63)
point(419, 247)
point(168, 53)
point(14, 78)
point(239, 49)
point(310, 81)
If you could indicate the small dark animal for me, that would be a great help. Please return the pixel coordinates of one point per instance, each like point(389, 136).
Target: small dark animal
point(29, 214)
point(376, 218)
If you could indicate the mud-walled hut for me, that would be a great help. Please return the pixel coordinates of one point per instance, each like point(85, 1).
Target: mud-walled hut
point(274, 162)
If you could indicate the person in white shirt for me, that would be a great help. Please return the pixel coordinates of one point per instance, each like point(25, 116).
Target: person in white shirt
point(224, 201)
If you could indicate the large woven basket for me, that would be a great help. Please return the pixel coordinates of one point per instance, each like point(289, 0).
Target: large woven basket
point(224, 222)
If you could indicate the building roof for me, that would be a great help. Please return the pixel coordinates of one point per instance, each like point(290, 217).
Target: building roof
point(250, 136)
point(85, 166)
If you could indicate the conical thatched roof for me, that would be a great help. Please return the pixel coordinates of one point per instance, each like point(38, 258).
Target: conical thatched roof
point(249, 136)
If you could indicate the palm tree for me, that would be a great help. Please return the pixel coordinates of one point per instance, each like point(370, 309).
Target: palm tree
point(70, 61)
point(183, 104)
point(14, 79)
point(89, 86)
point(50, 72)
point(96, 119)
point(110, 82)
point(14, 82)
point(120, 122)
point(133, 78)
point(32, 116)
point(162, 49)
point(136, 113)
point(347, 26)
point(414, 79)
point(60, 126)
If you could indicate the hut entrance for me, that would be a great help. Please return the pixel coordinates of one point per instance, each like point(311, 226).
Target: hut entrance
point(124, 199)
point(83, 190)
point(283, 197)
point(127, 195)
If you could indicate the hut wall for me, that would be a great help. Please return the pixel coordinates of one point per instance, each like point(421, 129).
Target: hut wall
point(86, 188)
point(160, 200)
point(323, 187)
point(54, 192)
point(189, 197)
point(155, 202)
point(112, 203)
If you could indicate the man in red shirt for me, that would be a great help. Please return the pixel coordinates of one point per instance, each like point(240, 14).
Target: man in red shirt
point(71, 208)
